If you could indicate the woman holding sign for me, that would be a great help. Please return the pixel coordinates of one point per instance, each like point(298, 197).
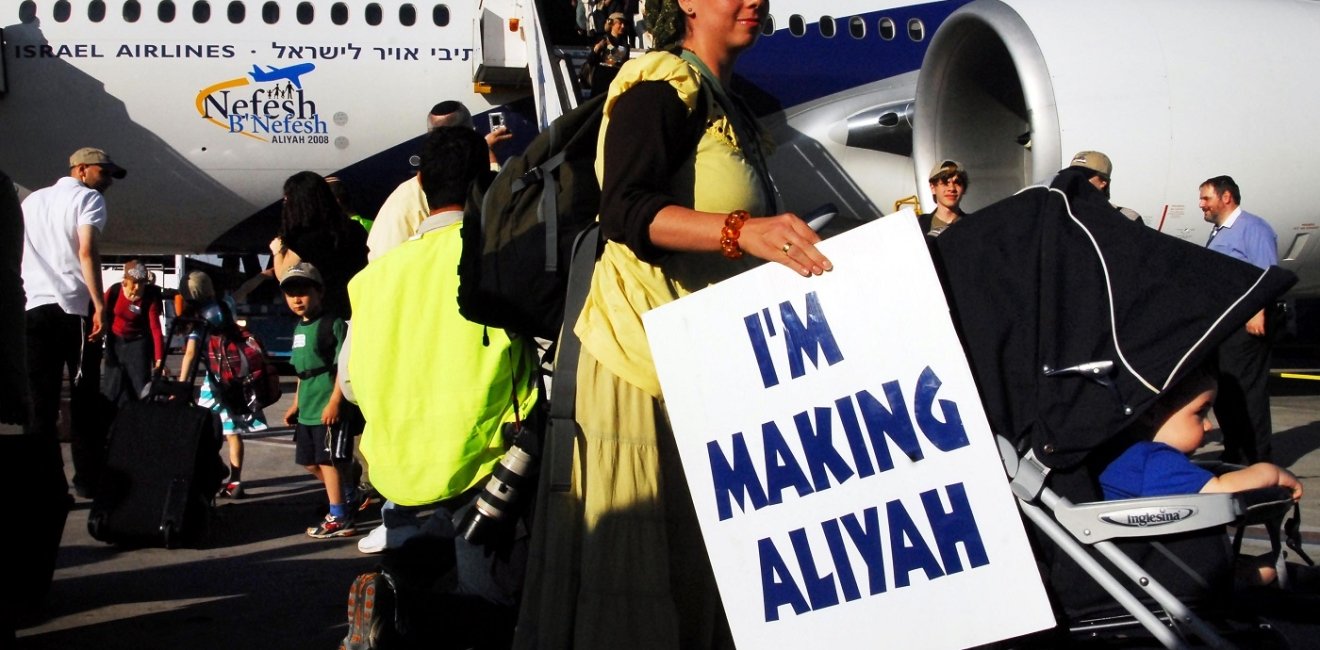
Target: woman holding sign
point(620, 562)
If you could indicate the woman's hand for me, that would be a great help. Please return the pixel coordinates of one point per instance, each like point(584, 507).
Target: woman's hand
point(786, 239)
point(291, 416)
point(276, 246)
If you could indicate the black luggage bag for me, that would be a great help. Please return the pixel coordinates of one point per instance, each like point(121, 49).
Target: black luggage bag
point(162, 467)
point(161, 474)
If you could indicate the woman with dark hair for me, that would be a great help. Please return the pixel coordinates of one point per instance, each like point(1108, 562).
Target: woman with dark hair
point(314, 229)
point(686, 201)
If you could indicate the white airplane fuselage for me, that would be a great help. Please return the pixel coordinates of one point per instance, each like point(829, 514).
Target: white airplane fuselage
point(208, 143)
point(861, 95)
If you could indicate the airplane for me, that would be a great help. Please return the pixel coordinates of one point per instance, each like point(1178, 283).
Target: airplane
point(291, 73)
point(862, 96)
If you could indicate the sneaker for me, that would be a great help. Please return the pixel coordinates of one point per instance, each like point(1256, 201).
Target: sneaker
point(382, 538)
point(370, 610)
point(332, 526)
point(232, 490)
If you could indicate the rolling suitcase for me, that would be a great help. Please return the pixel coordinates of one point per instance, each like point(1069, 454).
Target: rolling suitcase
point(161, 473)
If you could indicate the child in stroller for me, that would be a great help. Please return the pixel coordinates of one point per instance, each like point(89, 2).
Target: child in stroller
point(1157, 464)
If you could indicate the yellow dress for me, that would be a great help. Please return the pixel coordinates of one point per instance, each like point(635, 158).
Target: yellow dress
point(621, 563)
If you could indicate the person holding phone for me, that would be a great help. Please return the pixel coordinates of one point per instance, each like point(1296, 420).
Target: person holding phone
point(607, 55)
point(406, 206)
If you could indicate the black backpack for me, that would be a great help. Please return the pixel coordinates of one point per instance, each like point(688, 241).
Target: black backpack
point(518, 238)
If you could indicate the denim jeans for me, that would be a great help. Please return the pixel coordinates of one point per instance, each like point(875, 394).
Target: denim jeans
point(491, 572)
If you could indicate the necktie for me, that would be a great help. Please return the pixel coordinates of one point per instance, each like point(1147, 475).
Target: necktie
point(1213, 231)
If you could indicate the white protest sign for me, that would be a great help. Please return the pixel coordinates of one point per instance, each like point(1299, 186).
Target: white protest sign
point(843, 471)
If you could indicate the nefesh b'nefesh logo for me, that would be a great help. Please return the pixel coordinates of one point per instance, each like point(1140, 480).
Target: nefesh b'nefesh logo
point(271, 106)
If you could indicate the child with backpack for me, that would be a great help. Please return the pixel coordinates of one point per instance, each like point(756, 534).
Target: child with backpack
point(238, 414)
point(323, 442)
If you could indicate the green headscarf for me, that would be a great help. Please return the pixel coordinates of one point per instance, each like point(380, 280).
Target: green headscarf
point(667, 24)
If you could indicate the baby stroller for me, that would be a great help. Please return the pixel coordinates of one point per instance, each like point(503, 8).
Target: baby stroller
point(1086, 319)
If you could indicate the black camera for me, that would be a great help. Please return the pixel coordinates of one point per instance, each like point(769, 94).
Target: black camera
point(497, 505)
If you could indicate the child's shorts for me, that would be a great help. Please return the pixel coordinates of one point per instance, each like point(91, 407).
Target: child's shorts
point(321, 444)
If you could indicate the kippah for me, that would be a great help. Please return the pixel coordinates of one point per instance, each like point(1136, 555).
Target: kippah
point(446, 107)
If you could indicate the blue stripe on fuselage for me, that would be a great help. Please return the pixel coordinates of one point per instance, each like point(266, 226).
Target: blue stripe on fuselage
point(798, 69)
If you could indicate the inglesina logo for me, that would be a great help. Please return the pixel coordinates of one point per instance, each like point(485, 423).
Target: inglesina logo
point(271, 106)
point(1149, 517)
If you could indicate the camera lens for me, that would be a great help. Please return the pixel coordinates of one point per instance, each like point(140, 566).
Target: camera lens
point(500, 497)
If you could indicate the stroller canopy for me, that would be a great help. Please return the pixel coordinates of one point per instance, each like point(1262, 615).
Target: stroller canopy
point(1054, 278)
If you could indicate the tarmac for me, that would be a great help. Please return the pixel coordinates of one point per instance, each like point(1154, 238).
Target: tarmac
point(259, 582)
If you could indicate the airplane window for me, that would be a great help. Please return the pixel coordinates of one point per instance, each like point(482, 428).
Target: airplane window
point(373, 14)
point(407, 15)
point(165, 11)
point(96, 11)
point(857, 27)
point(27, 12)
point(797, 25)
point(916, 30)
point(339, 13)
point(270, 12)
point(827, 26)
point(62, 11)
point(440, 15)
point(201, 11)
point(768, 28)
point(887, 29)
point(305, 13)
point(237, 11)
point(132, 11)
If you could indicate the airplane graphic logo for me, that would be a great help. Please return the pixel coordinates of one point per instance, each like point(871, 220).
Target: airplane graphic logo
point(291, 73)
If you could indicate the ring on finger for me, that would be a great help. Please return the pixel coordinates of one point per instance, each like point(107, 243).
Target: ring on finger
point(788, 245)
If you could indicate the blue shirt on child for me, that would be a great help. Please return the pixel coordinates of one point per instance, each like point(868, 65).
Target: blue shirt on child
point(1152, 469)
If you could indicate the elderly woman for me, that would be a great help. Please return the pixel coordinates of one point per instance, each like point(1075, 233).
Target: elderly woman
point(135, 345)
point(686, 201)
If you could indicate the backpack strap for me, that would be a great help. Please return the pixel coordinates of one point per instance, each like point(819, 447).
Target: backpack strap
point(547, 210)
point(108, 311)
point(563, 391)
point(325, 348)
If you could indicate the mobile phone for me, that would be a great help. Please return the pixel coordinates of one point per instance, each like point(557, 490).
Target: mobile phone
point(496, 121)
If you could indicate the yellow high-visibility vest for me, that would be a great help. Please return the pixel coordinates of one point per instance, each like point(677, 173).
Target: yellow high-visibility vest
point(434, 393)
